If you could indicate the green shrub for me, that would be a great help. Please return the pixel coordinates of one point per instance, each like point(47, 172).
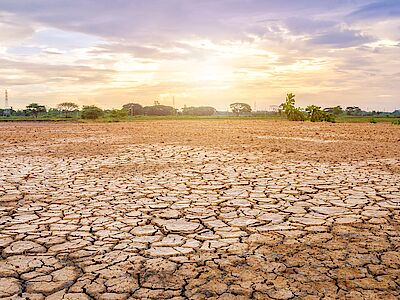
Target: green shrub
point(296, 115)
point(315, 114)
point(91, 112)
point(373, 121)
point(329, 117)
point(118, 114)
point(396, 122)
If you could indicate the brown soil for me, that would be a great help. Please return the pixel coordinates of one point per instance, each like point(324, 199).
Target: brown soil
point(199, 210)
point(272, 139)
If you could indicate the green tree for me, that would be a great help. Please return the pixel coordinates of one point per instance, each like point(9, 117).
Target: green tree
point(353, 111)
point(288, 105)
point(133, 109)
point(239, 108)
point(35, 109)
point(91, 112)
point(337, 110)
point(67, 107)
point(291, 112)
point(199, 111)
point(159, 110)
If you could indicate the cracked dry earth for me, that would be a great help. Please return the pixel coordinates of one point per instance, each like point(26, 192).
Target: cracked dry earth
point(89, 212)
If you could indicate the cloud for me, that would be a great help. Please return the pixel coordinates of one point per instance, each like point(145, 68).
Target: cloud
point(12, 32)
point(146, 19)
point(341, 38)
point(377, 11)
point(303, 25)
point(34, 73)
point(210, 50)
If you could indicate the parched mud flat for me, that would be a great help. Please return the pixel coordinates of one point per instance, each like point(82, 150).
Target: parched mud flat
point(179, 210)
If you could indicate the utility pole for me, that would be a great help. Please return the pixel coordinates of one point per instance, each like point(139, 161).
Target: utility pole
point(7, 108)
point(6, 100)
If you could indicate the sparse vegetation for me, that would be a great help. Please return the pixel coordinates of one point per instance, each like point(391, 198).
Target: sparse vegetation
point(91, 112)
point(67, 107)
point(69, 111)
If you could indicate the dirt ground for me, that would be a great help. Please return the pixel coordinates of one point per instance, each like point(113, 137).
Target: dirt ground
point(212, 209)
point(273, 139)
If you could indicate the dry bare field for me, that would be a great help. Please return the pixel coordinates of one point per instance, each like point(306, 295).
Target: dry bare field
point(213, 209)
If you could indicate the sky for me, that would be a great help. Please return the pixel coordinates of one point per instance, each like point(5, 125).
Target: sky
point(201, 52)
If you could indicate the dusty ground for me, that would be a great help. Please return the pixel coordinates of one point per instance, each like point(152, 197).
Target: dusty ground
point(195, 210)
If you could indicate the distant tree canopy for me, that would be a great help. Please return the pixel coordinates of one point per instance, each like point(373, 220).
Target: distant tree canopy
point(35, 109)
point(291, 112)
point(91, 112)
point(353, 111)
point(240, 108)
point(312, 112)
point(337, 110)
point(133, 109)
point(199, 111)
point(67, 107)
point(159, 110)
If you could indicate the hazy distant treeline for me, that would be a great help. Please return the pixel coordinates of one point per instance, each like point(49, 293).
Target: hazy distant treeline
point(72, 110)
point(287, 108)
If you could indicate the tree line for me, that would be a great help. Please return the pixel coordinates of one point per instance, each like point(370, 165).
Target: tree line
point(71, 109)
point(313, 113)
